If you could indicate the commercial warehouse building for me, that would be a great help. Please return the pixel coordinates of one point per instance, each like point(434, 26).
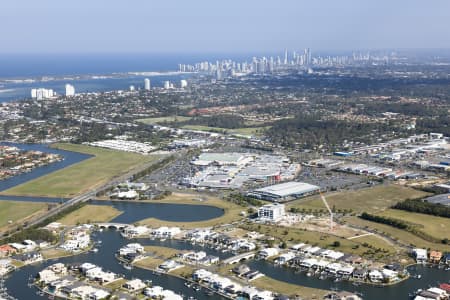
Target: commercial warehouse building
point(284, 191)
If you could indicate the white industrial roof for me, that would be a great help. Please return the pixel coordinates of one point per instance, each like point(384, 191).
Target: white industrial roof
point(288, 188)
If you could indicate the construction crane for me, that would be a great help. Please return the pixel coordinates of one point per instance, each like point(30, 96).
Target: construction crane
point(329, 210)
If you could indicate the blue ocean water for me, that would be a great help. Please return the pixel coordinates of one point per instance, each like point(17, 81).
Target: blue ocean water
point(20, 73)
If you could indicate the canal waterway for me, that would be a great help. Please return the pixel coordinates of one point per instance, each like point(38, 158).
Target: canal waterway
point(111, 241)
point(70, 158)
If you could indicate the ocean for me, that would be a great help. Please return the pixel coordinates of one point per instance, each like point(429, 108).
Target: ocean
point(91, 72)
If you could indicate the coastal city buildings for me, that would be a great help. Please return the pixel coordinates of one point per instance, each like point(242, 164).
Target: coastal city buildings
point(70, 90)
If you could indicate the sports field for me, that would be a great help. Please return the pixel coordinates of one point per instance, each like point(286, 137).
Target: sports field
point(88, 174)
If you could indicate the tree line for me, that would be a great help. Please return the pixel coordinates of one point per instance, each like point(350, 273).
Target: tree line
point(423, 207)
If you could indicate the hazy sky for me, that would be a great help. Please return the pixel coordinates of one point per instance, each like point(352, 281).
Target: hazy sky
point(220, 25)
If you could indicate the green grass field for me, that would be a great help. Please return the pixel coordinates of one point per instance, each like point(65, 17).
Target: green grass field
point(83, 176)
point(373, 199)
point(437, 227)
point(159, 120)
point(90, 214)
point(18, 211)
point(242, 131)
point(398, 234)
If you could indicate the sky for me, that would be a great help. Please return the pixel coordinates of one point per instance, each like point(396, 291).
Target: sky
point(228, 26)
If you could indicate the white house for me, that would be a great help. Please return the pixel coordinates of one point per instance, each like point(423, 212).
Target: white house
point(285, 258)
point(268, 252)
point(134, 285)
point(421, 255)
point(375, 276)
point(166, 232)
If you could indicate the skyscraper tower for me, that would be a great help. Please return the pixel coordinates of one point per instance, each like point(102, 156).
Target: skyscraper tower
point(285, 56)
point(147, 84)
point(70, 90)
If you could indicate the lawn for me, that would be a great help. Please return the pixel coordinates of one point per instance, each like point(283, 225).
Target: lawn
point(161, 252)
point(231, 211)
point(16, 211)
point(88, 174)
point(241, 131)
point(373, 199)
point(267, 283)
point(437, 227)
point(90, 214)
point(398, 234)
point(55, 253)
point(158, 120)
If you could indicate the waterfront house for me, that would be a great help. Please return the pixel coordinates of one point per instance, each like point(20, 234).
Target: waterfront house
point(209, 260)
point(200, 274)
point(169, 265)
point(298, 247)
point(131, 248)
point(346, 270)
point(194, 256)
point(5, 266)
point(420, 255)
point(29, 258)
point(240, 269)
point(58, 268)
point(435, 257)
point(446, 258)
point(46, 276)
point(6, 250)
point(166, 232)
point(285, 258)
point(389, 275)
point(18, 247)
point(267, 252)
point(134, 231)
point(134, 285)
point(89, 292)
point(333, 268)
point(342, 296)
point(375, 276)
point(86, 267)
point(359, 274)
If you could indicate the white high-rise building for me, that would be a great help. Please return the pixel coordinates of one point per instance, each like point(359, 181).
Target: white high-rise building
point(41, 93)
point(183, 83)
point(166, 85)
point(132, 89)
point(147, 84)
point(70, 90)
point(271, 212)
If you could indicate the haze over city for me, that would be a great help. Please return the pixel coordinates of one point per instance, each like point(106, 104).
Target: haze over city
point(220, 26)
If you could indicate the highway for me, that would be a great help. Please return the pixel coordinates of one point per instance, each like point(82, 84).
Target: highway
point(90, 194)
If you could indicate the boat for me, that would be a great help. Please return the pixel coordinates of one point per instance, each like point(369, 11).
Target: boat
point(196, 287)
point(94, 250)
point(128, 266)
point(188, 284)
point(309, 274)
point(209, 292)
